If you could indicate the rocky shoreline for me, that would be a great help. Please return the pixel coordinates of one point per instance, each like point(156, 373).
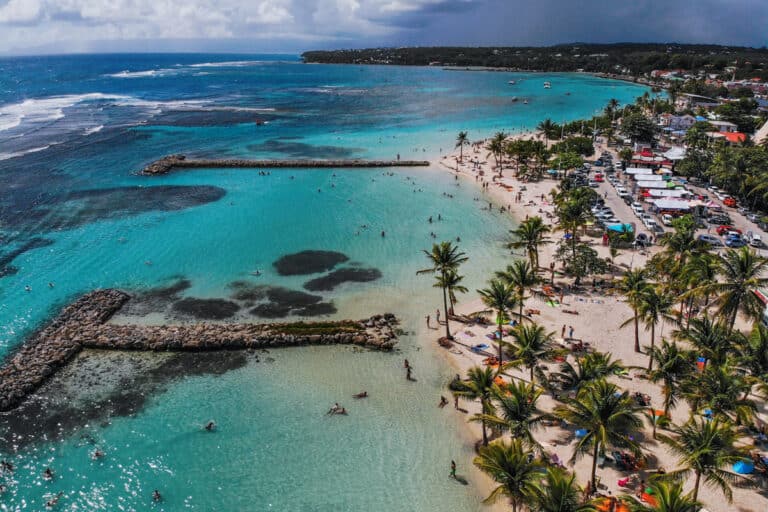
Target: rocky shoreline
point(83, 324)
point(170, 162)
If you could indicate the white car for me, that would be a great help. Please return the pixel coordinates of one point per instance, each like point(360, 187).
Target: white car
point(756, 241)
point(650, 223)
point(637, 209)
point(666, 219)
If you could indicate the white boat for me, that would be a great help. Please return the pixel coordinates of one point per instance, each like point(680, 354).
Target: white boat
point(514, 98)
point(547, 85)
point(525, 102)
point(511, 82)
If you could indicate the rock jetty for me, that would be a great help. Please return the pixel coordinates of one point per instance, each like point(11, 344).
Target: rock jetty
point(83, 324)
point(170, 162)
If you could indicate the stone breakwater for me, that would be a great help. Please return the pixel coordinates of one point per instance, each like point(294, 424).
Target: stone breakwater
point(168, 163)
point(82, 324)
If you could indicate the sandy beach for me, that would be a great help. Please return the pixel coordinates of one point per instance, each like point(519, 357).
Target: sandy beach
point(595, 318)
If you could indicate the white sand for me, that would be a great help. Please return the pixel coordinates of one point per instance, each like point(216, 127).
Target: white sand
point(597, 322)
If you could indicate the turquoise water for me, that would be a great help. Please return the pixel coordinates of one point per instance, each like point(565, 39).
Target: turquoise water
point(104, 117)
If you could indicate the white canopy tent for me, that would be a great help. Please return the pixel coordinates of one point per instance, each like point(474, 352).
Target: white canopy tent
point(669, 193)
point(652, 184)
point(676, 153)
point(638, 170)
point(671, 204)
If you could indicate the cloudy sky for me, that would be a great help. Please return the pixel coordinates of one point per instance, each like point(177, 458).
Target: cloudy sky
point(45, 26)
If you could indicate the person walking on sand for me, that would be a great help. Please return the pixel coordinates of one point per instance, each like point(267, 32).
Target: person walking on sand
point(456, 402)
point(453, 469)
point(570, 331)
point(406, 364)
point(408, 374)
point(437, 315)
point(428, 327)
point(562, 332)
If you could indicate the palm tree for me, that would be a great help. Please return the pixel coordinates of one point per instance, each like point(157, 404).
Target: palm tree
point(654, 307)
point(521, 276)
point(496, 147)
point(530, 234)
point(461, 141)
point(591, 367)
point(753, 355)
point(513, 468)
point(500, 297)
point(444, 257)
point(673, 365)
point(477, 386)
point(558, 492)
point(704, 447)
point(532, 343)
point(516, 412)
point(669, 498)
point(452, 283)
point(634, 285)
point(710, 339)
point(742, 272)
point(610, 418)
point(548, 127)
point(722, 390)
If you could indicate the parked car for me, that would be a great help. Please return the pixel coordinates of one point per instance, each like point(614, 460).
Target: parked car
point(667, 219)
point(637, 209)
point(753, 217)
point(599, 178)
point(710, 239)
point(722, 230)
point(642, 240)
point(719, 219)
point(729, 202)
point(624, 193)
point(756, 241)
point(735, 242)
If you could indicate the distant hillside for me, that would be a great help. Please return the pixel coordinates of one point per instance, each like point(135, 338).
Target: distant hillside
point(624, 58)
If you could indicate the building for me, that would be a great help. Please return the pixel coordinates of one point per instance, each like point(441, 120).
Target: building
point(724, 126)
point(693, 101)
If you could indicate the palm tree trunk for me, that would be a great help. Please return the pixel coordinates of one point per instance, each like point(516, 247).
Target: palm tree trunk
point(594, 464)
point(532, 368)
point(445, 308)
point(696, 486)
point(653, 340)
point(637, 333)
point(485, 430)
point(499, 320)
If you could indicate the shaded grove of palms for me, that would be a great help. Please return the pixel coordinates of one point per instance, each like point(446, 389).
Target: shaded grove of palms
point(693, 315)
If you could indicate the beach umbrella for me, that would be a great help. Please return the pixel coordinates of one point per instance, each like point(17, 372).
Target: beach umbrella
point(580, 433)
point(744, 467)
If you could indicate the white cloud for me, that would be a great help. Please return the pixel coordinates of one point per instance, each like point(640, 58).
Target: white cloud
point(270, 12)
point(20, 11)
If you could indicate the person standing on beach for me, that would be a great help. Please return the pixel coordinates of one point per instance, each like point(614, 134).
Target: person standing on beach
point(428, 327)
point(453, 469)
point(562, 332)
point(437, 315)
point(570, 331)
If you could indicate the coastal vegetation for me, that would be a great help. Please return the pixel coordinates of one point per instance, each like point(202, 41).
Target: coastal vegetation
point(632, 59)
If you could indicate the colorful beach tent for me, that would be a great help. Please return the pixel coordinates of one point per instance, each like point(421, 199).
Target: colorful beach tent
point(744, 467)
point(619, 228)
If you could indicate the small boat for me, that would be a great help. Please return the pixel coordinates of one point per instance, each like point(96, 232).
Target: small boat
point(568, 94)
point(511, 82)
point(514, 98)
point(525, 102)
point(547, 85)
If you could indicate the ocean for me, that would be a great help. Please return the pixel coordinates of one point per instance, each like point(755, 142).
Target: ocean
point(74, 216)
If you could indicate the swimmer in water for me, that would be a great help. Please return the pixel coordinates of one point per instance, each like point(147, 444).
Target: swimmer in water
point(50, 285)
point(54, 501)
point(156, 496)
point(210, 426)
point(97, 454)
point(28, 288)
point(48, 474)
point(362, 394)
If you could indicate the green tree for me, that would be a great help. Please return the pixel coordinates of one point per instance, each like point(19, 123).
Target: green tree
point(721, 390)
point(462, 141)
point(521, 276)
point(638, 127)
point(626, 155)
point(452, 283)
point(516, 412)
point(550, 129)
point(530, 234)
point(673, 366)
point(609, 416)
point(513, 468)
point(654, 307)
point(704, 448)
point(478, 386)
point(753, 355)
point(532, 343)
point(580, 261)
point(558, 492)
point(669, 497)
point(593, 366)
point(500, 297)
point(496, 147)
point(710, 339)
point(742, 272)
point(633, 285)
point(444, 258)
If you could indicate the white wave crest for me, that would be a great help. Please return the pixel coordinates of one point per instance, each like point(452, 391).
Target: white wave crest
point(150, 73)
point(8, 156)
